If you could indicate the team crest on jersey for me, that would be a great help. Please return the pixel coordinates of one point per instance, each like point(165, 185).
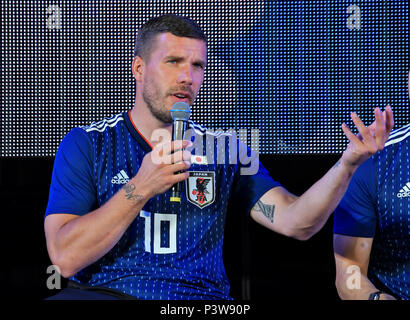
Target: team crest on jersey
point(200, 188)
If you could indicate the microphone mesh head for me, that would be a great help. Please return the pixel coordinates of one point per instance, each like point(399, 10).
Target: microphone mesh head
point(180, 111)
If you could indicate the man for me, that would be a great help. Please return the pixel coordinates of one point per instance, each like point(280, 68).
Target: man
point(371, 226)
point(110, 224)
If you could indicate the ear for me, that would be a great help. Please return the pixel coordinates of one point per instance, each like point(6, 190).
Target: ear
point(137, 68)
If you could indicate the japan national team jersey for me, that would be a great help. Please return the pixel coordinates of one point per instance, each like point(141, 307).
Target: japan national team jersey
point(377, 205)
point(171, 250)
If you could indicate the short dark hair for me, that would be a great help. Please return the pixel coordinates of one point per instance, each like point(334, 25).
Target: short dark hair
point(177, 25)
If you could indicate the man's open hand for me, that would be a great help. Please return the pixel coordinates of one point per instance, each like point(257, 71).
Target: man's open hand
point(369, 140)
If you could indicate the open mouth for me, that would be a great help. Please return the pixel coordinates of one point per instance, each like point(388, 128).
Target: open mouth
point(182, 96)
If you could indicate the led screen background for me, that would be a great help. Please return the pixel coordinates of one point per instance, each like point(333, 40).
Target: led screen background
point(294, 70)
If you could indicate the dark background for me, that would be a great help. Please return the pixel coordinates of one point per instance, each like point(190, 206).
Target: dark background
point(260, 263)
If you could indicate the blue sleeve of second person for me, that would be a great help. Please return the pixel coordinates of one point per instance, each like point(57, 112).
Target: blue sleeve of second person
point(72, 189)
point(356, 214)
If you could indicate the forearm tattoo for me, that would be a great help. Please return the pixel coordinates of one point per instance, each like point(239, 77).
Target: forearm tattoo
point(129, 193)
point(266, 209)
point(337, 163)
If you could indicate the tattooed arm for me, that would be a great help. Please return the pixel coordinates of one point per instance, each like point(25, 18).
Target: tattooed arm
point(74, 241)
point(301, 217)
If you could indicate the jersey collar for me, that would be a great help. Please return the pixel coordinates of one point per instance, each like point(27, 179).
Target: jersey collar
point(146, 146)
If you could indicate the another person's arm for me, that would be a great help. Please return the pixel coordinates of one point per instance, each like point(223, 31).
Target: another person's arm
point(352, 255)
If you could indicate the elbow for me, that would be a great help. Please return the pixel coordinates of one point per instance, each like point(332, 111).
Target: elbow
point(303, 236)
point(63, 266)
point(66, 264)
point(300, 234)
point(299, 230)
point(67, 272)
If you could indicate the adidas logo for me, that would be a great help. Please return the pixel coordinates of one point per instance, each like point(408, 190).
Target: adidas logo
point(120, 178)
point(405, 191)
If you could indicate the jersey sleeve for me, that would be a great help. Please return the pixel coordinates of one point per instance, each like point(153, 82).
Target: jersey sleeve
point(251, 182)
point(72, 189)
point(356, 213)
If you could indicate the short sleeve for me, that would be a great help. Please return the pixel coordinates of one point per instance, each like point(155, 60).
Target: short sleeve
point(251, 182)
point(356, 213)
point(72, 189)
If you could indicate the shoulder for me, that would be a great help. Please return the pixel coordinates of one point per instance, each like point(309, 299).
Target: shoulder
point(371, 172)
point(393, 147)
point(75, 148)
point(397, 136)
point(196, 127)
point(81, 139)
point(75, 138)
point(99, 133)
point(104, 124)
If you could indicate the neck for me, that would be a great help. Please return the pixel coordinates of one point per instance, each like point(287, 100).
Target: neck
point(146, 123)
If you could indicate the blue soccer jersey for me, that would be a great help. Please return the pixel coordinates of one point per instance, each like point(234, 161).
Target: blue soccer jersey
point(171, 250)
point(377, 205)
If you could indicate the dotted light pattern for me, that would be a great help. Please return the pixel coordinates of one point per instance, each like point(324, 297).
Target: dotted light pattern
point(294, 70)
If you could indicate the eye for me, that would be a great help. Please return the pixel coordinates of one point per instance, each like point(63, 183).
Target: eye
point(198, 66)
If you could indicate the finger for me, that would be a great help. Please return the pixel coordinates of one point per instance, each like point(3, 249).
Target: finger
point(380, 132)
point(181, 155)
point(177, 167)
point(180, 144)
point(186, 156)
point(372, 127)
point(168, 147)
point(350, 135)
point(178, 177)
point(157, 154)
point(364, 132)
point(389, 119)
point(162, 151)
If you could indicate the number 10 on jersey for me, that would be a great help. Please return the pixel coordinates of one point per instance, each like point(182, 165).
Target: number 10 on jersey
point(160, 221)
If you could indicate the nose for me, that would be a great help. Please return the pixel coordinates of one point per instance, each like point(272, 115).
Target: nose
point(185, 75)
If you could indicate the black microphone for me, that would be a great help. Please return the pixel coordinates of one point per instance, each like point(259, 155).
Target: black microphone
point(180, 113)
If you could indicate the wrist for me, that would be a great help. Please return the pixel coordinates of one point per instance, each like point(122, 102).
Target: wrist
point(380, 295)
point(135, 193)
point(346, 167)
point(375, 295)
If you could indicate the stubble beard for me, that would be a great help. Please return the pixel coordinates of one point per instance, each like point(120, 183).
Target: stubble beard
point(152, 97)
